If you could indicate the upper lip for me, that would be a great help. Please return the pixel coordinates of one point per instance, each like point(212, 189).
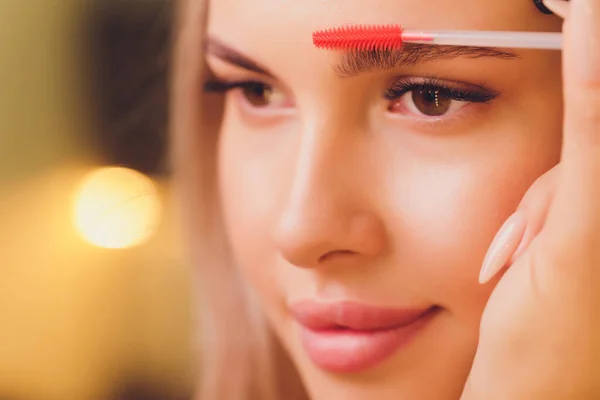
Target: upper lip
point(318, 316)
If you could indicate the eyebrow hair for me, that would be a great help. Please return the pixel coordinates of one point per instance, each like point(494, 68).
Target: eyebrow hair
point(359, 62)
point(225, 53)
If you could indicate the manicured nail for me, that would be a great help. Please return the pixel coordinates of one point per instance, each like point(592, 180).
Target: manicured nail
point(503, 246)
point(558, 7)
point(523, 245)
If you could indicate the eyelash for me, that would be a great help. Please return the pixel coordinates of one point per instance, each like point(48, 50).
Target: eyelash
point(398, 89)
point(402, 86)
point(224, 87)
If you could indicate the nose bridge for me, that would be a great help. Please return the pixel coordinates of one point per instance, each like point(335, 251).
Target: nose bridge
point(327, 147)
point(323, 212)
point(320, 186)
point(320, 161)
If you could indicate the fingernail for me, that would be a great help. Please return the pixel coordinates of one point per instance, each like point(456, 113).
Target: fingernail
point(503, 246)
point(523, 245)
point(558, 7)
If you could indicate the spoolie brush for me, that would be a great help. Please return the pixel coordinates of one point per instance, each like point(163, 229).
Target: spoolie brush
point(390, 37)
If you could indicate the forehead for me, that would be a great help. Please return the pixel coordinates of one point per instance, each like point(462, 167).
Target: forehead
point(293, 21)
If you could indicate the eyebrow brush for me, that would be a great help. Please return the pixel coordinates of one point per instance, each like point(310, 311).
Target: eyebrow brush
point(391, 37)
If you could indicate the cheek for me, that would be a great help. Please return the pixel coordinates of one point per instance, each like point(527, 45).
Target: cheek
point(446, 215)
point(249, 181)
point(441, 229)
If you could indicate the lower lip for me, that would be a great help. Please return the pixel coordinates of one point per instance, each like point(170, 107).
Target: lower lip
point(348, 351)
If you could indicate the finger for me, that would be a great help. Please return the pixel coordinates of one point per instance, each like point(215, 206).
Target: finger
point(519, 230)
point(558, 7)
point(577, 195)
point(535, 206)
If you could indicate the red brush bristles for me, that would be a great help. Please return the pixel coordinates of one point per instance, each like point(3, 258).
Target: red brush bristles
point(359, 37)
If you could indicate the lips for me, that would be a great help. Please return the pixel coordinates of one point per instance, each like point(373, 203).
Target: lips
point(318, 316)
point(347, 337)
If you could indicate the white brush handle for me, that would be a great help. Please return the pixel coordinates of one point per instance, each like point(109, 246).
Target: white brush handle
point(524, 40)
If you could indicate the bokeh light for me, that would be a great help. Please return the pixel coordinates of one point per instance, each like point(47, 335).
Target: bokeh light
point(117, 207)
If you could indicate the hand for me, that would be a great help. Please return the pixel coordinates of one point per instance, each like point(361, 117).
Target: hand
point(540, 331)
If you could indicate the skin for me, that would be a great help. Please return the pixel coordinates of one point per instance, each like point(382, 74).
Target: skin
point(343, 200)
point(543, 309)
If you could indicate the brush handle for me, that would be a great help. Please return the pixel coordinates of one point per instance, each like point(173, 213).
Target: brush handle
point(524, 40)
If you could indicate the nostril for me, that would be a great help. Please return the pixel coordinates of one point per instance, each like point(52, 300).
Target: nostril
point(316, 236)
point(336, 254)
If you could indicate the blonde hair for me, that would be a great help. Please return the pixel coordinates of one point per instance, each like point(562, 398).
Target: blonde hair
point(239, 357)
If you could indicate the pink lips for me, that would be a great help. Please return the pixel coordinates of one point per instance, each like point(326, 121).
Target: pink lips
point(348, 337)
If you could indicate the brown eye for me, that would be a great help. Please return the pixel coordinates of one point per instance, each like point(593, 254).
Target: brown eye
point(429, 98)
point(431, 102)
point(261, 95)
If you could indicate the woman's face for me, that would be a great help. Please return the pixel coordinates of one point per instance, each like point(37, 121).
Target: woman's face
point(360, 192)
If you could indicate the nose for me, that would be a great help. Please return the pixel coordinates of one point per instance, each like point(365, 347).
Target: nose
point(328, 217)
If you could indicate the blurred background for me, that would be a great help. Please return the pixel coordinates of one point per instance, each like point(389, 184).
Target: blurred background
point(95, 292)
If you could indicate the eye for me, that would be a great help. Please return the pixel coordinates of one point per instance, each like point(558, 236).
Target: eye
point(257, 94)
point(430, 102)
point(262, 95)
point(431, 98)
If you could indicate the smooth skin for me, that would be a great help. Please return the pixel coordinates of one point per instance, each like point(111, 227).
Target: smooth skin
point(345, 198)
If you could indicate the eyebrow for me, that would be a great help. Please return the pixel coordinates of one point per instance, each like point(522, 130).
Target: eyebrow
point(359, 62)
point(218, 49)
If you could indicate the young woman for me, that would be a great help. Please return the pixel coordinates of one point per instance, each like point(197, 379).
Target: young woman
point(350, 199)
